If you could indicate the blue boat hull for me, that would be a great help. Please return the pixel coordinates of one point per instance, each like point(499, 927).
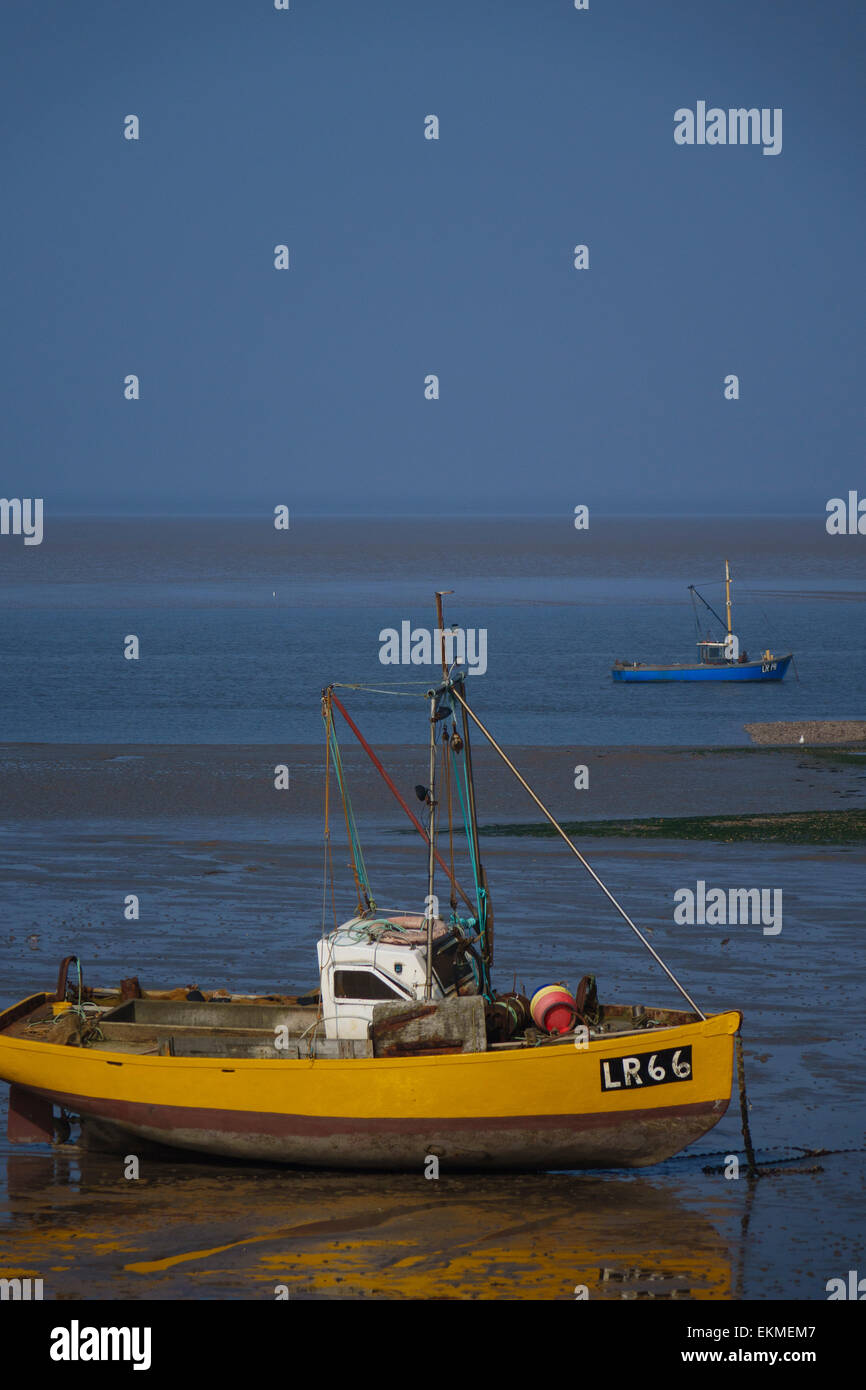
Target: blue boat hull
point(746, 671)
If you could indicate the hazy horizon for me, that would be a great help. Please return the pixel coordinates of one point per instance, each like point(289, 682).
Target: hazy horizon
point(118, 513)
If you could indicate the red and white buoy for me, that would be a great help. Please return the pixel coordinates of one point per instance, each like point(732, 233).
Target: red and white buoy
point(553, 1009)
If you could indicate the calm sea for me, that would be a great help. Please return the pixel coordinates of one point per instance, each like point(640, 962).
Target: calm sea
point(240, 626)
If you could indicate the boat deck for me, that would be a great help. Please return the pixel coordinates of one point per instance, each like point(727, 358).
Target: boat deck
point(248, 1028)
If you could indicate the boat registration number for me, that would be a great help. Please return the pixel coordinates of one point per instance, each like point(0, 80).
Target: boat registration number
point(647, 1069)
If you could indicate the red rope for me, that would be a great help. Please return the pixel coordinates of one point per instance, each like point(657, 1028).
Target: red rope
point(391, 787)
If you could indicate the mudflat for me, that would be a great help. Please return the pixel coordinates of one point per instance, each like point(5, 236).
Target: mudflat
point(43, 781)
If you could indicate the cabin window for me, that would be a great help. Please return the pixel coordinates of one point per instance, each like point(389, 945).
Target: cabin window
point(362, 984)
point(450, 971)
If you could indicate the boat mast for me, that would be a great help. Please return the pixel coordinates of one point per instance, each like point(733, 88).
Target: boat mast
point(431, 857)
point(728, 598)
point(485, 912)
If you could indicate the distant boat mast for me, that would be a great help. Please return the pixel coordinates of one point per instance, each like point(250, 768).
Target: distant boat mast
point(728, 599)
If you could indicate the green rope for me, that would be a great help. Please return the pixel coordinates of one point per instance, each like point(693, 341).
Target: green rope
point(480, 891)
point(373, 931)
point(354, 839)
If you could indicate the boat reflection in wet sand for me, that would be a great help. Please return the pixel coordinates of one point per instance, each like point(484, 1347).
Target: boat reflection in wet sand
point(404, 1053)
point(200, 1230)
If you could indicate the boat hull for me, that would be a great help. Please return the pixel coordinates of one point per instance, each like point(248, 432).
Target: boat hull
point(531, 1142)
point(523, 1108)
point(774, 670)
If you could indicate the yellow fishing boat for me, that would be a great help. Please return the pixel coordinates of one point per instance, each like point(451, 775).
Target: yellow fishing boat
point(405, 1053)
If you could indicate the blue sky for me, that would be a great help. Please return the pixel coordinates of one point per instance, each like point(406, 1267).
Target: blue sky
point(411, 257)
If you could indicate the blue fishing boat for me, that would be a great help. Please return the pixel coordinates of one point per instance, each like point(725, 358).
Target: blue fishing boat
point(717, 660)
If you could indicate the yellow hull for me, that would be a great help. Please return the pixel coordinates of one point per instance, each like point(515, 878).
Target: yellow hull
point(536, 1107)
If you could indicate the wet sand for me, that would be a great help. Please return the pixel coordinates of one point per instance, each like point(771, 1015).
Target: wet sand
point(145, 781)
point(229, 875)
point(199, 1231)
